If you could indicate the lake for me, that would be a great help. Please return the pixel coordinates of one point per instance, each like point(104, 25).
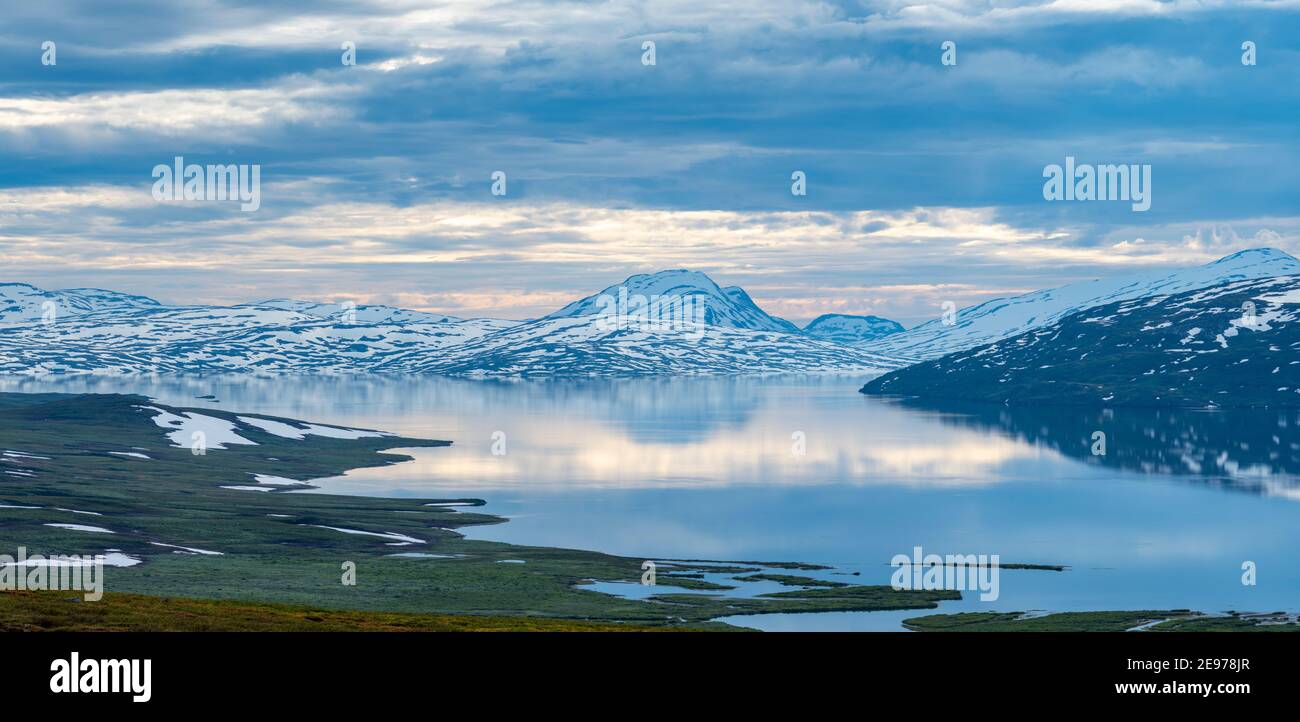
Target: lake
point(807, 469)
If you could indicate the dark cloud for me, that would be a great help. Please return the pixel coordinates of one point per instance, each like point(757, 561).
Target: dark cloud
point(555, 95)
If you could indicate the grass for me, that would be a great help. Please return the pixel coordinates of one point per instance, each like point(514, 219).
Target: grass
point(116, 612)
point(1175, 620)
point(1251, 623)
point(791, 580)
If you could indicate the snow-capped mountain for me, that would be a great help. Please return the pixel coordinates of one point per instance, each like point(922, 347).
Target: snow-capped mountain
point(1235, 344)
point(215, 338)
point(584, 346)
point(1005, 317)
point(362, 313)
point(722, 332)
point(730, 307)
point(843, 328)
point(20, 302)
point(710, 330)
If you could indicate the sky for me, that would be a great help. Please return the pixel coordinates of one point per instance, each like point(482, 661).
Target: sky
point(924, 180)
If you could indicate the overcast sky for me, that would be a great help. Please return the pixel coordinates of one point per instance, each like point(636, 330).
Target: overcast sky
point(924, 181)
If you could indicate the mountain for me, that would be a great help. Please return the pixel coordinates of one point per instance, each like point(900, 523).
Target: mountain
point(673, 322)
point(1235, 344)
point(219, 339)
point(667, 323)
point(842, 328)
point(601, 335)
point(20, 302)
point(728, 307)
point(1005, 317)
point(360, 313)
point(584, 346)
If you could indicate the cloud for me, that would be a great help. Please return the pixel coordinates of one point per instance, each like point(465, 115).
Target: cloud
point(984, 14)
point(213, 113)
point(524, 260)
point(924, 181)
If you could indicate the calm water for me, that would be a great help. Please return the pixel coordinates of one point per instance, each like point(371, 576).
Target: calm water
point(708, 468)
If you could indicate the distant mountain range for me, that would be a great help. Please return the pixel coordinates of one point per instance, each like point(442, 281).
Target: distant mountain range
point(1231, 345)
point(677, 322)
point(605, 334)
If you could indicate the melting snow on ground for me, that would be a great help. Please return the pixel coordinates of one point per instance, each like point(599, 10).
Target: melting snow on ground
point(186, 550)
point(111, 559)
point(277, 480)
point(288, 431)
point(83, 527)
point(22, 455)
point(217, 432)
point(381, 535)
point(56, 508)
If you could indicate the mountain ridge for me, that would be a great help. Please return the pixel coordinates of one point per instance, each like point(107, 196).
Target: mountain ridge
point(604, 334)
point(1232, 345)
point(731, 306)
point(1001, 318)
point(614, 332)
point(849, 328)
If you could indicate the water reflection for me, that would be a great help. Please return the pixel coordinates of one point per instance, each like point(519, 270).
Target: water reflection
point(653, 410)
point(1248, 450)
point(707, 468)
point(693, 433)
point(720, 432)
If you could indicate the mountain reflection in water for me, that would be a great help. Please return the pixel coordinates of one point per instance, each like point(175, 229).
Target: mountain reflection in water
point(1246, 450)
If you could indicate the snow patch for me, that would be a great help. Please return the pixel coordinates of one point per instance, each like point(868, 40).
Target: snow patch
point(289, 431)
point(189, 550)
point(381, 535)
point(217, 432)
point(83, 527)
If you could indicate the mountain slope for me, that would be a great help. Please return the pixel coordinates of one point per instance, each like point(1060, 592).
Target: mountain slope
point(1005, 317)
point(214, 338)
point(23, 303)
point(360, 313)
point(730, 307)
point(843, 328)
point(1236, 344)
point(584, 346)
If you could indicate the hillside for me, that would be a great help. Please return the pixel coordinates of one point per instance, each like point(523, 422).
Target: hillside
point(1229, 346)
